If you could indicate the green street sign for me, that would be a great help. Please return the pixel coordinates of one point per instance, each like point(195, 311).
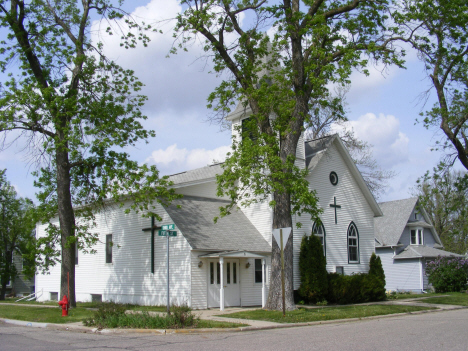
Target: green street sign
point(167, 233)
point(168, 227)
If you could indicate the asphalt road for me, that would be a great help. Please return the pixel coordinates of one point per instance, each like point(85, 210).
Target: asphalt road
point(429, 331)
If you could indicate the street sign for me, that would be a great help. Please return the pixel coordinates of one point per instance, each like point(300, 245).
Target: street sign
point(286, 232)
point(167, 233)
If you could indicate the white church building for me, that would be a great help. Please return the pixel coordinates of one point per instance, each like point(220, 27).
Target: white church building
point(227, 263)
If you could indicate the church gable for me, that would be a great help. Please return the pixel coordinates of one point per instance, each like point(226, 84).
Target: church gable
point(347, 218)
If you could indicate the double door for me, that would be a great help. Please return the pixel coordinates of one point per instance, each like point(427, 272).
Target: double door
point(231, 283)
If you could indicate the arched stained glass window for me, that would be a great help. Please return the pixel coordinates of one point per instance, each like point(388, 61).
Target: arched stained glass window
point(353, 244)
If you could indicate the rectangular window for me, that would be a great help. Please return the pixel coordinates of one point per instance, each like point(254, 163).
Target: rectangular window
point(413, 237)
point(416, 236)
point(416, 216)
point(234, 273)
point(258, 270)
point(54, 296)
point(228, 273)
point(109, 248)
point(339, 270)
point(211, 273)
point(218, 278)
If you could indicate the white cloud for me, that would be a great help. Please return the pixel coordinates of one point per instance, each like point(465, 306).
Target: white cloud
point(173, 159)
point(390, 144)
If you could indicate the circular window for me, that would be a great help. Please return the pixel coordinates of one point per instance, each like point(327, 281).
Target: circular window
point(333, 178)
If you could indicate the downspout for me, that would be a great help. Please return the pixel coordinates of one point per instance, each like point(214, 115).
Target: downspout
point(421, 271)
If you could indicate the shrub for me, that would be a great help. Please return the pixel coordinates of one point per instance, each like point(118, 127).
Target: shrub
point(358, 288)
point(112, 315)
point(448, 274)
point(376, 269)
point(376, 279)
point(312, 268)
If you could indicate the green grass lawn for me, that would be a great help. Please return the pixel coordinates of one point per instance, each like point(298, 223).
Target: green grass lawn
point(43, 315)
point(452, 299)
point(324, 314)
point(52, 315)
point(86, 305)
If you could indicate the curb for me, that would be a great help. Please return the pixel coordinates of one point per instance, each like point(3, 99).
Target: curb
point(82, 329)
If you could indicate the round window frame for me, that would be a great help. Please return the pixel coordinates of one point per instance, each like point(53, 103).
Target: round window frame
point(332, 176)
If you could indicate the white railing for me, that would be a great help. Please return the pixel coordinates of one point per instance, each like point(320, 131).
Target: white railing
point(31, 297)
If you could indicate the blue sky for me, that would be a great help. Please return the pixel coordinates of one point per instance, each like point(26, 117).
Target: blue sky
point(382, 111)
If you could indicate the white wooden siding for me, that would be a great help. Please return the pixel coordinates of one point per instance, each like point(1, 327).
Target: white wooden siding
point(128, 278)
point(202, 190)
point(354, 208)
point(251, 292)
point(400, 275)
point(199, 281)
point(261, 216)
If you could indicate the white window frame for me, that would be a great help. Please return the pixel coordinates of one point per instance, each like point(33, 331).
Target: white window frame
point(418, 236)
point(356, 245)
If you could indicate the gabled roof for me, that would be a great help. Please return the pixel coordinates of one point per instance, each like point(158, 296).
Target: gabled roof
point(390, 226)
point(316, 149)
point(206, 173)
point(241, 110)
point(422, 251)
point(234, 232)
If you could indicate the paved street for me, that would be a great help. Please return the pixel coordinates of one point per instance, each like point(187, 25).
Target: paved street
point(429, 331)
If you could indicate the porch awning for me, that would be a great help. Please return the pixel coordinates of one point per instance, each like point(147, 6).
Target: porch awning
point(232, 254)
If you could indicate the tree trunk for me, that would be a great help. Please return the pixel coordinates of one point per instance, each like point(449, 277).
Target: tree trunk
point(6, 273)
point(67, 226)
point(281, 219)
point(3, 292)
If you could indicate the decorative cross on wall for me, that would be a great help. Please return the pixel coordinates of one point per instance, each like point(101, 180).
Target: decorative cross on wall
point(335, 206)
point(153, 228)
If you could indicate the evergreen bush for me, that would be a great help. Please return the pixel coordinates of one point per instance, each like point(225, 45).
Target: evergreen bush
point(376, 279)
point(358, 288)
point(313, 272)
point(448, 274)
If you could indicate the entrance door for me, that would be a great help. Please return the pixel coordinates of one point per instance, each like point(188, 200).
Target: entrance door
point(230, 282)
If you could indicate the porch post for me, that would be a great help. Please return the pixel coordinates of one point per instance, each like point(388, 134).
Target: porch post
point(221, 288)
point(263, 283)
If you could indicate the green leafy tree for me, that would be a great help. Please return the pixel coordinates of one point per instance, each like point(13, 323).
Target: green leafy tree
point(445, 199)
point(313, 270)
point(314, 44)
point(77, 110)
point(16, 230)
point(438, 30)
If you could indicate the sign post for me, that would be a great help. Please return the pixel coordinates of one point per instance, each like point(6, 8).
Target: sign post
point(281, 241)
point(167, 233)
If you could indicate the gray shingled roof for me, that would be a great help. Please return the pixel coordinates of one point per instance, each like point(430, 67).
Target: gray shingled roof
point(422, 251)
point(390, 226)
point(207, 172)
point(234, 232)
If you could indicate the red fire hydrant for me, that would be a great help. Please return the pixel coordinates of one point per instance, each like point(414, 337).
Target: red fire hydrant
point(65, 304)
